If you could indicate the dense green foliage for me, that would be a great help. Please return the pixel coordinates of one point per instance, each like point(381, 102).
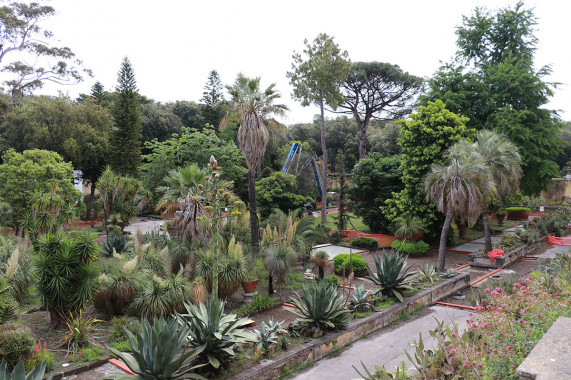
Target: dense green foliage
point(366, 243)
point(125, 141)
point(278, 191)
point(31, 173)
point(494, 49)
point(192, 146)
point(377, 90)
point(375, 179)
point(424, 140)
point(341, 263)
point(515, 208)
point(67, 276)
point(15, 342)
point(418, 248)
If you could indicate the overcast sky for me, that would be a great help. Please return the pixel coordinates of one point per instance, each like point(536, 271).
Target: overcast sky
point(173, 45)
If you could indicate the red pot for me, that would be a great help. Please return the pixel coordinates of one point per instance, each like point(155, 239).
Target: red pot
point(250, 286)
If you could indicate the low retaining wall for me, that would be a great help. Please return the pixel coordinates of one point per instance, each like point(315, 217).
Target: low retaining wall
point(507, 258)
point(315, 350)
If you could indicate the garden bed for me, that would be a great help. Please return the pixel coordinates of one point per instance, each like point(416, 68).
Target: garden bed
point(507, 258)
point(316, 349)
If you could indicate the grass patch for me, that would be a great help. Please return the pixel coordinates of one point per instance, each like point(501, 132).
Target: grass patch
point(294, 281)
point(88, 354)
point(122, 345)
point(362, 314)
point(356, 222)
point(287, 372)
point(385, 303)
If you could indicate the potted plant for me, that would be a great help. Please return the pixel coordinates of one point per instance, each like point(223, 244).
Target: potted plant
point(250, 282)
point(500, 216)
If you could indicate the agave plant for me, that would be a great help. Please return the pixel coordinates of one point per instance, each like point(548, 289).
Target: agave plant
point(268, 334)
point(159, 352)
point(115, 244)
point(361, 299)
point(19, 373)
point(391, 274)
point(428, 272)
point(7, 305)
point(212, 334)
point(320, 305)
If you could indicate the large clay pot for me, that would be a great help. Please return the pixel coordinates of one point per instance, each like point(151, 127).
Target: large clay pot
point(250, 286)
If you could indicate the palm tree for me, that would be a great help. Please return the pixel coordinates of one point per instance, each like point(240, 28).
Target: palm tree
point(457, 190)
point(504, 161)
point(252, 108)
point(180, 183)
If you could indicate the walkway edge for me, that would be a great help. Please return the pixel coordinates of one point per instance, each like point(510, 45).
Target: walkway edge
point(315, 350)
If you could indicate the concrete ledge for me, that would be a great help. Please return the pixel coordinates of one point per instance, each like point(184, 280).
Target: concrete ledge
point(508, 257)
point(550, 359)
point(316, 349)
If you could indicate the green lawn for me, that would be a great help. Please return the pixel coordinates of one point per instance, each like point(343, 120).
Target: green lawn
point(356, 223)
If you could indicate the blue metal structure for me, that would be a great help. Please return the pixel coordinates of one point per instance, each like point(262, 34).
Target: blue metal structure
point(293, 156)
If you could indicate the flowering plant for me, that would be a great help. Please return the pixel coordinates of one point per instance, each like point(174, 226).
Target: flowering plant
point(495, 253)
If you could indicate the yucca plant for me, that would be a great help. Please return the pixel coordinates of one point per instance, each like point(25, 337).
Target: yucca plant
point(67, 276)
point(268, 334)
point(361, 299)
point(118, 287)
point(321, 260)
point(428, 272)
point(391, 274)
point(159, 351)
point(320, 305)
point(7, 305)
point(213, 334)
point(19, 372)
point(115, 243)
point(278, 260)
point(161, 297)
point(79, 326)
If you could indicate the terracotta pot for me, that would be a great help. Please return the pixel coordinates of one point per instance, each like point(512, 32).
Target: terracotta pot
point(250, 286)
point(500, 219)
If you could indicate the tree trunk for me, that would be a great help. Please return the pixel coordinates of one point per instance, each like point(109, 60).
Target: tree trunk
point(443, 237)
point(362, 139)
point(270, 285)
point(321, 273)
point(92, 190)
point(324, 169)
point(253, 208)
point(55, 319)
point(487, 232)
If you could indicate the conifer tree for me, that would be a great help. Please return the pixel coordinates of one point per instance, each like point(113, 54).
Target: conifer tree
point(125, 142)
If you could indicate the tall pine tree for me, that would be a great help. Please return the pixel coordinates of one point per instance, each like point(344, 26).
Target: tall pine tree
point(125, 142)
point(212, 97)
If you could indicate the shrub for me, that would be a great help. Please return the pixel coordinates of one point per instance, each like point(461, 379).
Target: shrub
point(509, 242)
point(341, 262)
point(119, 326)
point(320, 305)
point(15, 342)
point(518, 209)
point(331, 280)
point(40, 355)
point(411, 248)
point(161, 297)
point(365, 242)
point(259, 302)
point(335, 237)
point(79, 327)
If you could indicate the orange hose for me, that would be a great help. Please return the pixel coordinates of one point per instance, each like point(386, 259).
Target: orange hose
point(455, 305)
point(485, 276)
point(462, 267)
